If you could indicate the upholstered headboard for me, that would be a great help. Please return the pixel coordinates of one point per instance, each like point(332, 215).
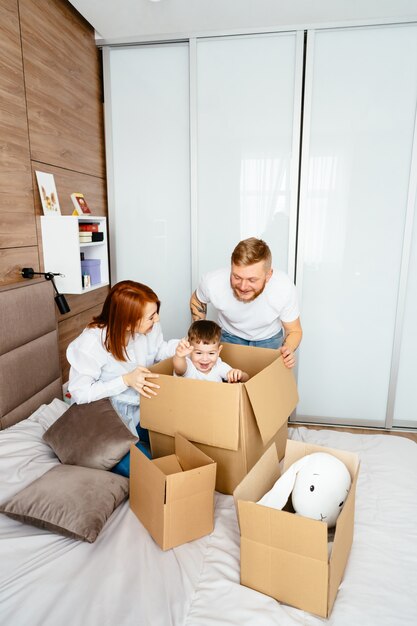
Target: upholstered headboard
point(29, 361)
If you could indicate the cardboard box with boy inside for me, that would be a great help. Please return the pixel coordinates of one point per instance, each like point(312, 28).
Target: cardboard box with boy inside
point(232, 423)
point(285, 555)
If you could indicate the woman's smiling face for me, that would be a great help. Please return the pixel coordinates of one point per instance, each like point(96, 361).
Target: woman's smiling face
point(150, 317)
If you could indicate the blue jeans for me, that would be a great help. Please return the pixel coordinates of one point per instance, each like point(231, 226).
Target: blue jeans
point(123, 466)
point(274, 342)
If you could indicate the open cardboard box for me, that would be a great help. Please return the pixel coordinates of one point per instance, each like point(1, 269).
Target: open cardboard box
point(283, 554)
point(173, 496)
point(232, 423)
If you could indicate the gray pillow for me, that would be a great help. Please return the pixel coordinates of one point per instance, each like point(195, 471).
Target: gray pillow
point(91, 435)
point(69, 500)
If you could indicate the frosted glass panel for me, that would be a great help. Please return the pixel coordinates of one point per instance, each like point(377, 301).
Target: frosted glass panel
point(150, 139)
point(405, 409)
point(358, 137)
point(245, 117)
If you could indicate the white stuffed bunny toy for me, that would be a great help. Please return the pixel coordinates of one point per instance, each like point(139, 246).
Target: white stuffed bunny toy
point(319, 483)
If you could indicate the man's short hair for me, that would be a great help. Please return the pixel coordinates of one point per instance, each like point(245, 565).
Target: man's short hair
point(204, 331)
point(250, 251)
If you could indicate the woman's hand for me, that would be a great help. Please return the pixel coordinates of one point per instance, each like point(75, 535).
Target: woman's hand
point(137, 379)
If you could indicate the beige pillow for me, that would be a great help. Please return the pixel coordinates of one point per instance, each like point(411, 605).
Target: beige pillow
point(69, 500)
point(91, 435)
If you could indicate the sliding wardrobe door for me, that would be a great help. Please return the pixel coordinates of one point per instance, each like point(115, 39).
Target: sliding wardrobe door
point(147, 137)
point(405, 406)
point(248, 95)
point(360, 106)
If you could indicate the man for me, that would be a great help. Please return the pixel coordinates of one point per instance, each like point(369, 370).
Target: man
point(256, 305)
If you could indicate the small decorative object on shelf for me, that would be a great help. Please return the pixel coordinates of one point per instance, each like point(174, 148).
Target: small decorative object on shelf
point(86, 281)
point(48, 193)
point(80, 204)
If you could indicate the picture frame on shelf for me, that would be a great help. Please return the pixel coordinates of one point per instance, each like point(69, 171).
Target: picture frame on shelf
point(80, 204)
point(48, 193)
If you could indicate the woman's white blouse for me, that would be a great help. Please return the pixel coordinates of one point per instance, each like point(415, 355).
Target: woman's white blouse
point(96, 374)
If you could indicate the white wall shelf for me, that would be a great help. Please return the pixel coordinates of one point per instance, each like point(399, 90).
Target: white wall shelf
point(62, 251)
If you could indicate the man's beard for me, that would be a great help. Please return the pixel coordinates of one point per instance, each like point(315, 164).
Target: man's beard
point(247, 300)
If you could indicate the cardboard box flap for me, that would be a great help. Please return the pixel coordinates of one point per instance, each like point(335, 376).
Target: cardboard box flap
point(147, 496)
point(140, 463)
point(251, 360)
point(188, 455)
point(283, 531)
point(342, 543)
point(191, 482)
point(168, 464)
point(272, 409)
point(163, 367)
point(205, 412)
point(260, 479)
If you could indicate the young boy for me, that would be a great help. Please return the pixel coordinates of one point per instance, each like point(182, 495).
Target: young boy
point(197, 356)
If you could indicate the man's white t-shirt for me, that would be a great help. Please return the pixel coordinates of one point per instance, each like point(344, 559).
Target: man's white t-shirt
point(256, 320)
point(217, 374)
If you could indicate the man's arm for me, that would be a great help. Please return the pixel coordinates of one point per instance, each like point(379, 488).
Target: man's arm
point(293, 336)
point(198, 309)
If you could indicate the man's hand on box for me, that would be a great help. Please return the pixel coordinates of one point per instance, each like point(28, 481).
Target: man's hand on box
point(288, 356)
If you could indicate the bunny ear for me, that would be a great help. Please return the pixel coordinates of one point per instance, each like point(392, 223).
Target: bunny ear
point(276, 498)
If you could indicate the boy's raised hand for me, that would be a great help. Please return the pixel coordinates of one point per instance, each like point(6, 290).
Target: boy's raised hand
point(184, 348)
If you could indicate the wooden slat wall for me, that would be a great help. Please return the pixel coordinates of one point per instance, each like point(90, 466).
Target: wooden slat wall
point(51, 119)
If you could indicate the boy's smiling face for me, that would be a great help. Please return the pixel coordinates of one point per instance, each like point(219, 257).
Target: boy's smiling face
point(205, 355)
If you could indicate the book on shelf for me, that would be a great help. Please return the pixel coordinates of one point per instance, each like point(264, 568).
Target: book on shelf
point(91, 237)
point(88, 227)
point(86, 239)
point(80, 204)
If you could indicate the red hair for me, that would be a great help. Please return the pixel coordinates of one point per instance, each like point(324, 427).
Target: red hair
point(122, 310)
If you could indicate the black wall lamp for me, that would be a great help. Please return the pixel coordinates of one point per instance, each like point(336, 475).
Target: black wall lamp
point(62, 304)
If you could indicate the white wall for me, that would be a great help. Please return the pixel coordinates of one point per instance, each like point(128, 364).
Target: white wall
point(116, 19)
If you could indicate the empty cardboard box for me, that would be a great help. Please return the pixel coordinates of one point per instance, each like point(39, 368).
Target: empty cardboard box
point(173, 496)
point(232, 423)
point(283, 554)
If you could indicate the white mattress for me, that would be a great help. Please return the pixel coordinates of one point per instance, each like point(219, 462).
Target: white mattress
point(124, 579)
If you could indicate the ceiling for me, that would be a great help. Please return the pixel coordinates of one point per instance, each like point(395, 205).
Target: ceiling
point(130, 20)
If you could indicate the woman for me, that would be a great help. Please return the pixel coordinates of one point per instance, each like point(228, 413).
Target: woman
point(110, 358)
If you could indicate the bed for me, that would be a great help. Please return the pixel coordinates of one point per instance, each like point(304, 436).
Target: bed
point(124, 578)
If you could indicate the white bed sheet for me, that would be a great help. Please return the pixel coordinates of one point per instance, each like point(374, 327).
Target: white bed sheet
point(124, 579)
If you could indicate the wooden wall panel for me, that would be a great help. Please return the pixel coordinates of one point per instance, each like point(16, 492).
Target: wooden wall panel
point(17, 229)
point(51, 119)
point(63, 86)
point(67, 181)
point(89, 300)
point(13, 259)
point(69, 329)
point(17, 226)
